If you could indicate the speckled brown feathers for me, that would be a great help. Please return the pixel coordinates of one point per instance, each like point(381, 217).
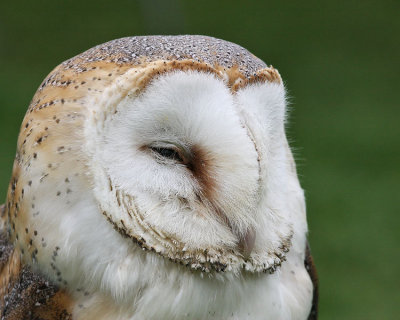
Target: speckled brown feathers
point(97, 67)
point(25, 294)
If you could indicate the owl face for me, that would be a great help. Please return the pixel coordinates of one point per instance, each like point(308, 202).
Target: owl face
point(180, 170)
point(166, 163)
point(181, 154)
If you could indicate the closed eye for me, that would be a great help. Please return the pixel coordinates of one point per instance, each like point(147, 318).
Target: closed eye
point(168, 153)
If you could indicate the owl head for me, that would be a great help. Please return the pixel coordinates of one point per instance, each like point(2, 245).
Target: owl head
point(154, 155)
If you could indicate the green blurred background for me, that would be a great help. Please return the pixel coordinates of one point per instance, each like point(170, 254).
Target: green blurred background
point(341, 64)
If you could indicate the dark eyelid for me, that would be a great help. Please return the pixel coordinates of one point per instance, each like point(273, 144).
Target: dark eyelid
point(169, 153)
point(169, 150)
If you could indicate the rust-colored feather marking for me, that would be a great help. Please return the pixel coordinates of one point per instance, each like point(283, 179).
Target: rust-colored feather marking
point(201, 166)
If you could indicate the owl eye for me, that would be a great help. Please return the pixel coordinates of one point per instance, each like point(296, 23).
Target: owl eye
point(169, 152)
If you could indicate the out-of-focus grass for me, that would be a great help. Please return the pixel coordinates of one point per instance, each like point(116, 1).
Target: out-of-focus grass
point(341, 66)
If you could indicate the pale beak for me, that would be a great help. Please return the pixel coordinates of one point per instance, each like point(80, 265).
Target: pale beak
point(246, 243)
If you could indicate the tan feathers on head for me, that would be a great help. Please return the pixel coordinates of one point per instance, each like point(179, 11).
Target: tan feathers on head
point(161, 157)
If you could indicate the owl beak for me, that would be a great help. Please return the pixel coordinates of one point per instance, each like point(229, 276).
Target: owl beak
point(246, 243)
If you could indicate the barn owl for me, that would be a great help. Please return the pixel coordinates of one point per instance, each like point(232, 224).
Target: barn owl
point(153, 180)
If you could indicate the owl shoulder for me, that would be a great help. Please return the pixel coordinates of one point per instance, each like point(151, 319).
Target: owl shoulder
point(25, 294)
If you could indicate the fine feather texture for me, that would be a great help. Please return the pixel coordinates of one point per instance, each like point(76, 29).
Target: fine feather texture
point(202, 112)
point(216, 233)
